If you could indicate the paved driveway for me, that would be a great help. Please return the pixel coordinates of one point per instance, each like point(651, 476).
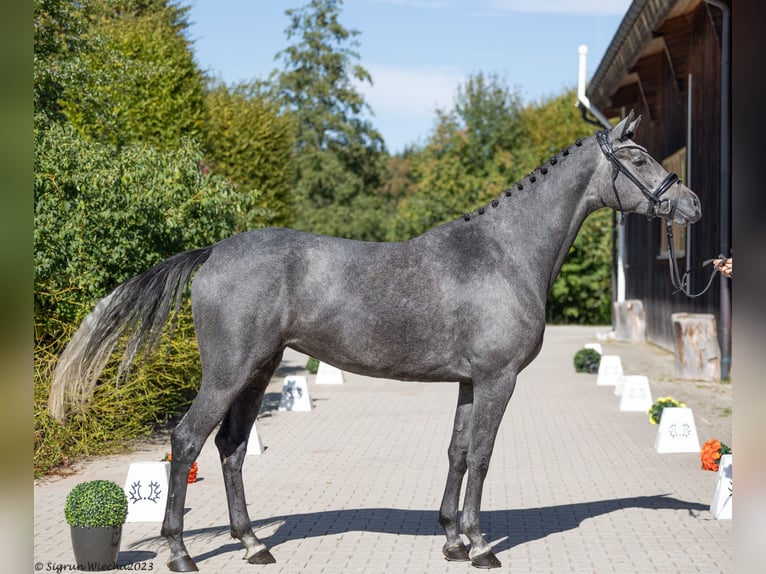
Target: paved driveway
point(354, 485)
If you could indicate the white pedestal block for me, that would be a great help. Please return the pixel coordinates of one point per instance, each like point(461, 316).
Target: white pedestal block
point(295, 395)
point(618, 384)
point(147, 490)
point(328, 375)
point(721, 504)
point(677, 432)
point(254, 445)
point(595, 346)
point(609, 369)
point(636, 395)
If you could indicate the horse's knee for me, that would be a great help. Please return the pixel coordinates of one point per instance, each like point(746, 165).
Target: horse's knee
point(457, 458)
point(182, 445)
point(458, 465)
point(478, 464)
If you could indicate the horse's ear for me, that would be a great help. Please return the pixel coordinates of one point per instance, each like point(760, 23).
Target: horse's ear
point(632, 126)
point(625, 128)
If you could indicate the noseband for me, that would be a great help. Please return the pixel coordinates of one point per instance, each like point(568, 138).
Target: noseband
point(679, 281)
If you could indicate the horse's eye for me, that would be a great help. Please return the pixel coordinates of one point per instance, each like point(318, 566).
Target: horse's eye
point(639, 161)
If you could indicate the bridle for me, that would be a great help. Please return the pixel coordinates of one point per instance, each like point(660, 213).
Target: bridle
point(653, 195)
point(679, 281)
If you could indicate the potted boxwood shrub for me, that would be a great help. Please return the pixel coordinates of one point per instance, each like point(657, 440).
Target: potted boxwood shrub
point(587, 361)
point(95, 511)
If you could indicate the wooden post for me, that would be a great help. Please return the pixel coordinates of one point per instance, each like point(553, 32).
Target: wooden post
point(698, 355)
point(630, 321)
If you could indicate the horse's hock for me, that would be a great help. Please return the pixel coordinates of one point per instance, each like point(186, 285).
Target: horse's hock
point(698, 355)
point(630, 321)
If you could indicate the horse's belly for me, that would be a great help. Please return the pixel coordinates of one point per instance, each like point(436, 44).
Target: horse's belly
point(394, 357)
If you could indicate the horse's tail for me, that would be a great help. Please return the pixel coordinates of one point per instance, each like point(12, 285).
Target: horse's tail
point(139, 308)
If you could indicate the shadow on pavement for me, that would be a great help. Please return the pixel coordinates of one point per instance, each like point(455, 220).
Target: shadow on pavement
point(503, 529)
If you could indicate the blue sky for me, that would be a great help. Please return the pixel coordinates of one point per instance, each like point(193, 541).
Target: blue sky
point(419, 51)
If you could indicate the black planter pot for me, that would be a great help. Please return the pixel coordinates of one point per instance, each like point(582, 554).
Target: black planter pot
point(96, 548)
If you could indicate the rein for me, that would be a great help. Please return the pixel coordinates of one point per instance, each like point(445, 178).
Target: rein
point(679, 281)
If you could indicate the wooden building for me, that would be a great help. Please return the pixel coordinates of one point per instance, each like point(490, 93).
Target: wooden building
point(670, 62)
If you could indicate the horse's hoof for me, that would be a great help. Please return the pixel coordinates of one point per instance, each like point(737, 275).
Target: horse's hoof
point(262, 557)
point(182, 564)
point(488, 560)
point(456, 553)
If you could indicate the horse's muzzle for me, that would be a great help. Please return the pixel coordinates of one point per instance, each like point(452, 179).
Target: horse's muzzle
point(683, 206)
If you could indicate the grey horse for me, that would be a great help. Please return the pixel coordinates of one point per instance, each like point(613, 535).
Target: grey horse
point(464, 302)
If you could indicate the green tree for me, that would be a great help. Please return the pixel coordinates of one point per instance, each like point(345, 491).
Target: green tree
point(582, 291)
point(119, 185)
point(489, 114)
point(131, 76)
point(340, 159)
point(551, 124)
point(59, 37)
point(250, 143)
point(473, 153)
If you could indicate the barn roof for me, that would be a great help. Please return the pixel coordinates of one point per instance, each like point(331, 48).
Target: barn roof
point(649, 29)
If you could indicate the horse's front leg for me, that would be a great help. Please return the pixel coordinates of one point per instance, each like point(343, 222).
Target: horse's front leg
point(231, 441)
point(454, 548)
point(490, 401)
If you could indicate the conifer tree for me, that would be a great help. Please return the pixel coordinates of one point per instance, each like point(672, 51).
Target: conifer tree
point(340, 156)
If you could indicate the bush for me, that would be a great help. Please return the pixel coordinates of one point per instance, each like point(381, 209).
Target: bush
point(587, 361)
point(115, 415)
point(96, 504)
point(312, 366)
point(102, 215)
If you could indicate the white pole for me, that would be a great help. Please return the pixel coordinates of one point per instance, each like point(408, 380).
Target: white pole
point(581, 97)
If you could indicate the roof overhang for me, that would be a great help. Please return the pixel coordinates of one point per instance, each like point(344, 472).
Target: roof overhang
point(645, 32)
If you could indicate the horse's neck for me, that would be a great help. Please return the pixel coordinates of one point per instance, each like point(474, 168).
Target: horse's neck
point(576, 218)
point(558, 204)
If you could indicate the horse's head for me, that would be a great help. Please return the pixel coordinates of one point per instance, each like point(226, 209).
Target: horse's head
point(639, 183)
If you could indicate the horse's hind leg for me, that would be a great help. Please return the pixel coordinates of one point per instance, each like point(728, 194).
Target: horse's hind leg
point(454, 548)
point(231, 441)
point(186, 441)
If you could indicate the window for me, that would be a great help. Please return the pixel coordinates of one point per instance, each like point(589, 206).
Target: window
point(674, 163)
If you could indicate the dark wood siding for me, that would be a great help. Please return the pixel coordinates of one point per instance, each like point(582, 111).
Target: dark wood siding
point(692, 46)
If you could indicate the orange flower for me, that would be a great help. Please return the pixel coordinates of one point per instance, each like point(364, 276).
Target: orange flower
point(711, 454)
point(193, 473)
